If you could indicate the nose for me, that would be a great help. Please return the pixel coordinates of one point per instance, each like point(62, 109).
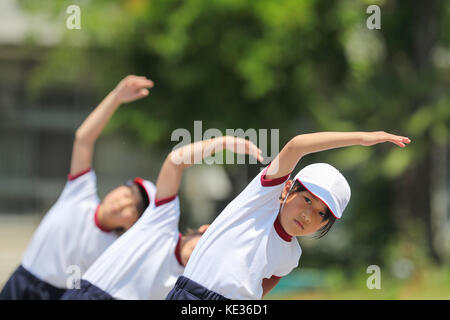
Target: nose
point(306, 216)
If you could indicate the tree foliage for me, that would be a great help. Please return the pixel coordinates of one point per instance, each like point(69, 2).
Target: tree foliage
point(301, 66)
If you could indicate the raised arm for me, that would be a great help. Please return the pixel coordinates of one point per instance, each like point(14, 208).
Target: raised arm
point(304, 144)
point(129, 89)
point(178, 160)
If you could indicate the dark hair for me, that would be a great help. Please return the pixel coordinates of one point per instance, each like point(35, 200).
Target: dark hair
point(329, 217)
point(141, 193)
point(144, 197)
point(143, 201)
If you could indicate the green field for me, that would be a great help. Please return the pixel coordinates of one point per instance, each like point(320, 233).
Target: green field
point(429, 283)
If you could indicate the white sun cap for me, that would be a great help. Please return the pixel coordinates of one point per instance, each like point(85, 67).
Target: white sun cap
point(328, 184)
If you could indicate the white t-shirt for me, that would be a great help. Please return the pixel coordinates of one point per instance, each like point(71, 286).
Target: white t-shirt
point(68, 239)
point(142, 263)
point(245, 244)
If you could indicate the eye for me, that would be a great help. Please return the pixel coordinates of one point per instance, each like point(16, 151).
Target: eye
point(322, 214)
point(307, 200)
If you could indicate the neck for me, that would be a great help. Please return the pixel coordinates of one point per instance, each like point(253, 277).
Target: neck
point(280, 229)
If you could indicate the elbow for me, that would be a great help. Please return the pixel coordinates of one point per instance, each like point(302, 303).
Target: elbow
point(295, 147)
point(81, 138)
point(292, 145)
point(78, 135)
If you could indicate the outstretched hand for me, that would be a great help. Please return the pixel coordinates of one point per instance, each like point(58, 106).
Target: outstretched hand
point(132, 88)
point(371, 138)
point(242, 146)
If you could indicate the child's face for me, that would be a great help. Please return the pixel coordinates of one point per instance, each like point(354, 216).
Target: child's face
point(188, 248)
point(189, 243)
point(120, 207)
point(302, 213)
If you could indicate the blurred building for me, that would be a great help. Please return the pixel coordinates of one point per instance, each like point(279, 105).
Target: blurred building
point(36, 134)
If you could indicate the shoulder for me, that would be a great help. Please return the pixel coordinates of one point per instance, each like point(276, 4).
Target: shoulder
point(271, 182)
point(81, 185)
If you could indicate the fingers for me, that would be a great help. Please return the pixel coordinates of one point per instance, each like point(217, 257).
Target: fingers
point(397, 140)
point(243, 146)
point(254, 151)
point(382, 136)
point(142, 83)
point(143, 92)
point(132, 88)
point(203, 228)
point(400, 144)
point(138, 82)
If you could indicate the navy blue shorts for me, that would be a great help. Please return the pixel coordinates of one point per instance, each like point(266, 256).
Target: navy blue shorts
point(22, 285)
point(87, 291)
point(186, 289)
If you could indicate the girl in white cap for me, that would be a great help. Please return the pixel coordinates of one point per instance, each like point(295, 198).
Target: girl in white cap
point(252, 244)
point(147, 260)
point(78, 227)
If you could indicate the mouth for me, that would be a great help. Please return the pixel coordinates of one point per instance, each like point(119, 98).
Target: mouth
point(299, 224)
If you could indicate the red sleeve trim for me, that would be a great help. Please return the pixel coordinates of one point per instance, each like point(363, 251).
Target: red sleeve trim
point(178, 250)
point(97, 223)
point(276, 277)
point(159, 202)
point(72, 177)
point(272, 182)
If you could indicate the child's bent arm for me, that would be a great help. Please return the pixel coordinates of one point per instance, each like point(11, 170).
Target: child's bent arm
point(180, 159)
point(129, 89)
point(304, 144)
point(268, 284)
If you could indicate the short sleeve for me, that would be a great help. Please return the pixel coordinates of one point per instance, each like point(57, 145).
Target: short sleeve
point(164, 213)
point(80, 187)
point(284, 271)
point(260, 192)
point(272, 182)
point(291, 260)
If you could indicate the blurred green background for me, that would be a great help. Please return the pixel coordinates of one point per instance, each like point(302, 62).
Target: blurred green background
point(297, 66)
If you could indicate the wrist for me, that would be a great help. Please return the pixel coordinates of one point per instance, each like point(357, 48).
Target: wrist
point(115, 98)
point(364, 138)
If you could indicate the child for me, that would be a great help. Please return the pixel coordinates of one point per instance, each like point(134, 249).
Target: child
point(252, 244)
point(78, 228)
point(147, 260)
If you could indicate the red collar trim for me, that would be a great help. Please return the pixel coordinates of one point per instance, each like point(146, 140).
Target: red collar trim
point(280, 230)
point(72, 177)
point(97, 222)
point(178, 250)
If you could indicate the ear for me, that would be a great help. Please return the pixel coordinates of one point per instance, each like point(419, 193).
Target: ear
point(203, 228)
point(286, 188)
